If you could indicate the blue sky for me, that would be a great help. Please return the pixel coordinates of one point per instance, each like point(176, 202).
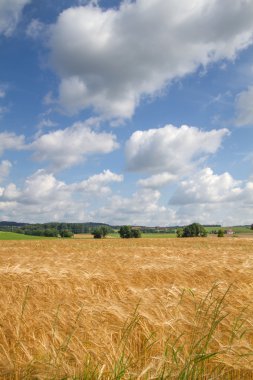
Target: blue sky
point(135, 112)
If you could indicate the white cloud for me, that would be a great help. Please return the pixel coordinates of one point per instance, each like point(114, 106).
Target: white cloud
point(109, 59)
point(67, 147)
point(227, 213)
point(40, 188)
point(171, 149)
point(35, 29)
point(10, 192)
point(142, 208)
point(247, 194)
point(157, 180)
point(48, 99)
point(10, 12)
point(205, 198)
point(244, 108)
point(44, 197)
point(46, 123)
point(43, 187)
point(11, 141)
point(145, 208)
point(210, 198)
point(2, 93)
point(97, 184)
point(207, 187)
point(5, 167)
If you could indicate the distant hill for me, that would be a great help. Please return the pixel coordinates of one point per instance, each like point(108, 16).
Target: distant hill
point(33, 228)
point(12, 224)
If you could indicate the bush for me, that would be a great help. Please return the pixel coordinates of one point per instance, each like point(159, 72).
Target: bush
point(194, 230)
point(48, 232)
point(100, 232)
point(179, 232)
point(136, 234)
point(97, 233)
point(126, 232)
point(51, 232)
point(220, 233)
point(66, 234)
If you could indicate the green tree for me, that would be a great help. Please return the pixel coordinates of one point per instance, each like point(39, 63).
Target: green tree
point(251, 227)
point(136, 233)
point(51, 232)
point(220, 233)
point(179, 232)
point(66, 234)
point(100, 232)
point(97, 234)
point(104, 230)
point(194, 230)
point(127, 232)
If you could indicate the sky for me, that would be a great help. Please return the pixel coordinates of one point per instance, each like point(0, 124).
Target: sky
point(126, 112)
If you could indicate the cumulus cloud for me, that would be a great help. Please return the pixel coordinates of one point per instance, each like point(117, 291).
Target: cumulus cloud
point(70, 146)
point(157, 180)
point(40, 188)
point(98, 183)
point(109, 59)
point(210, 198)
point(5, 167)
point(141, 208)
point(244, 108)
point(46, 123)
point(43, 187)
point(207, 187)
point(10, 193)
point(226, 214)
point(43, 197)
point(63, 148)
point(11, 141)
point(205, 198)
point(10, 12)
point(46, 198)
point(171, 149)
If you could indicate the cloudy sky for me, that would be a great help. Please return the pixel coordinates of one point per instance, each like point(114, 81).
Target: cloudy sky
point(136, 112)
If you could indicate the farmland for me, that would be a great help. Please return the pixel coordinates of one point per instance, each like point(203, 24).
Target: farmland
point(126, 309)
point(15, 236)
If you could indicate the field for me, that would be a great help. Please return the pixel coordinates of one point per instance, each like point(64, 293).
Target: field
point(236, 229)
point(126, 309)
point(115, 235)
point(15, 236)
point(150, 235)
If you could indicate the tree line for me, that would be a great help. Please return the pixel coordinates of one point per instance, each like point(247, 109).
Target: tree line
point(125, 232)
point(195, 230)
point(101, 230)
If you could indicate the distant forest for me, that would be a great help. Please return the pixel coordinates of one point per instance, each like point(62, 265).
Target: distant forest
point(51, 229)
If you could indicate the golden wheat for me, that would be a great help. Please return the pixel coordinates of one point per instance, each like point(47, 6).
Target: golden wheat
point(139, 309)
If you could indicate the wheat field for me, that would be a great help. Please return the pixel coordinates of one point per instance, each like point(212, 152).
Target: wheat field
point(126, 309)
